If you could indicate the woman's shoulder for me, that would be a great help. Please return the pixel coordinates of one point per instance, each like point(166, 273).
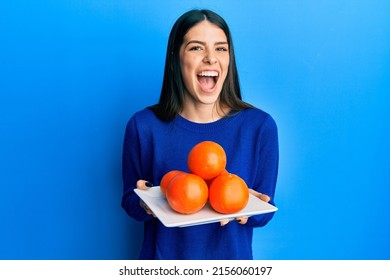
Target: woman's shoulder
point(144, 116)
point(142, 120)
point(260, 122)
point(143, 113)
point(257, 115)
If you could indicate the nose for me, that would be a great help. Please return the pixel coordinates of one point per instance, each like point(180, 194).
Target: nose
point(210, 58)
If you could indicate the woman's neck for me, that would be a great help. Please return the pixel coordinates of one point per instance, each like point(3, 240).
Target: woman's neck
point(203, 113)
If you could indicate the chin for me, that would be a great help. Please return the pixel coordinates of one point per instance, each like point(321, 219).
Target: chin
point(209, 99)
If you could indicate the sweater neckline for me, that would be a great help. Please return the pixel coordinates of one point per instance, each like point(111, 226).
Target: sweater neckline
point(206, 127)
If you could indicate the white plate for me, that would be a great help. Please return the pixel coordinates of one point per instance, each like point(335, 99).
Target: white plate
point(159, 205)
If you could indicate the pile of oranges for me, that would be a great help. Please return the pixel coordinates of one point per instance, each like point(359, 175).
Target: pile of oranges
point(208, 180)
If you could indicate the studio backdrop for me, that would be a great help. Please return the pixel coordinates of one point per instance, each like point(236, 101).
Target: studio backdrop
point(73, 72)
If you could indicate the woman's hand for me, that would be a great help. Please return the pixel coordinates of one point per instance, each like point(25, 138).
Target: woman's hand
point(244, 219)
point(241, 220)
point(263, 197)
point(144, 185)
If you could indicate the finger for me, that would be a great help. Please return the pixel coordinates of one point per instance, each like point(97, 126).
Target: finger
point(254, 193)
point(265, 197)
point(242, 220)
point(143, 204)
point(150, 212)
point(143, 184)
point(224, 222)
point(146, 208)
point(259, 195)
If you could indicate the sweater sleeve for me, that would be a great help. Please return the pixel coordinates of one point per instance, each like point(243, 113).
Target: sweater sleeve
point(268, 169)
point(132, 172)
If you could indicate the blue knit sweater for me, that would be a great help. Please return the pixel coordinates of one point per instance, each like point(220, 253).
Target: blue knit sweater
point(153, 147)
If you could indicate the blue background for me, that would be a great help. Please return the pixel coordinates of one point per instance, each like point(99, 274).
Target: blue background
point(73, 72)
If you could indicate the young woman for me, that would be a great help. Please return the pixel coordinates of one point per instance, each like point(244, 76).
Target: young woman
point(200, 100)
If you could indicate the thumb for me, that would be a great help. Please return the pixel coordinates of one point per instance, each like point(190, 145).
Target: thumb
point(259, 195)
point(143, 184)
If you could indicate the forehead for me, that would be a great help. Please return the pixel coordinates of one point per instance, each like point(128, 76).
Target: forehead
point(205, 31)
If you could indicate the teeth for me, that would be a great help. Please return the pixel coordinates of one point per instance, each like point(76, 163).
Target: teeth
point(208, 73)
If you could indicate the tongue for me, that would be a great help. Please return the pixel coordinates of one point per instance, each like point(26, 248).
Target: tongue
point(207, 83)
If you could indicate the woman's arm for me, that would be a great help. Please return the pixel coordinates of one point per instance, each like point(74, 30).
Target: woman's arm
point(265, 182)
point(132, 172)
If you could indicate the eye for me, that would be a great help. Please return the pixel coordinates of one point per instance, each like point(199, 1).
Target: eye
point(222, 49)
point(195, 48)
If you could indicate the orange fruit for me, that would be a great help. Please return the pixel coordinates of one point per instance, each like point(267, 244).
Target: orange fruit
point(166, 179)
point(208, 182)
point(187, 193)
point(207, 159)
point(228, 193)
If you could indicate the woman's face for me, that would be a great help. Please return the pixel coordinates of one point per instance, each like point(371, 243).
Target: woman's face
point(204, 62)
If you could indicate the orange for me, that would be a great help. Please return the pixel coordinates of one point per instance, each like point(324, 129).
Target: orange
point(187, 193)
point(207, 159)
point(166, 179)
point(212, 179)
point(228, 193)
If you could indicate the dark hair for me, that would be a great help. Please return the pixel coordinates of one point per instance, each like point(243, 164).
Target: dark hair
point(172, 92)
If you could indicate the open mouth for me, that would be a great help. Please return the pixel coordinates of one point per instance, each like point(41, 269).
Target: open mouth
point(208, 80)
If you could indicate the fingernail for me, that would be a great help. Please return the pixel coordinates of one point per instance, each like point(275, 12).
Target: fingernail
point(148, 184)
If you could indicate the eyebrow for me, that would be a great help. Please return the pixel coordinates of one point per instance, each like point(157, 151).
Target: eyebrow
point(203, 43)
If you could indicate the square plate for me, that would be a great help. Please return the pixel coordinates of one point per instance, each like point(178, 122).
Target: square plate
point(159, 205)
